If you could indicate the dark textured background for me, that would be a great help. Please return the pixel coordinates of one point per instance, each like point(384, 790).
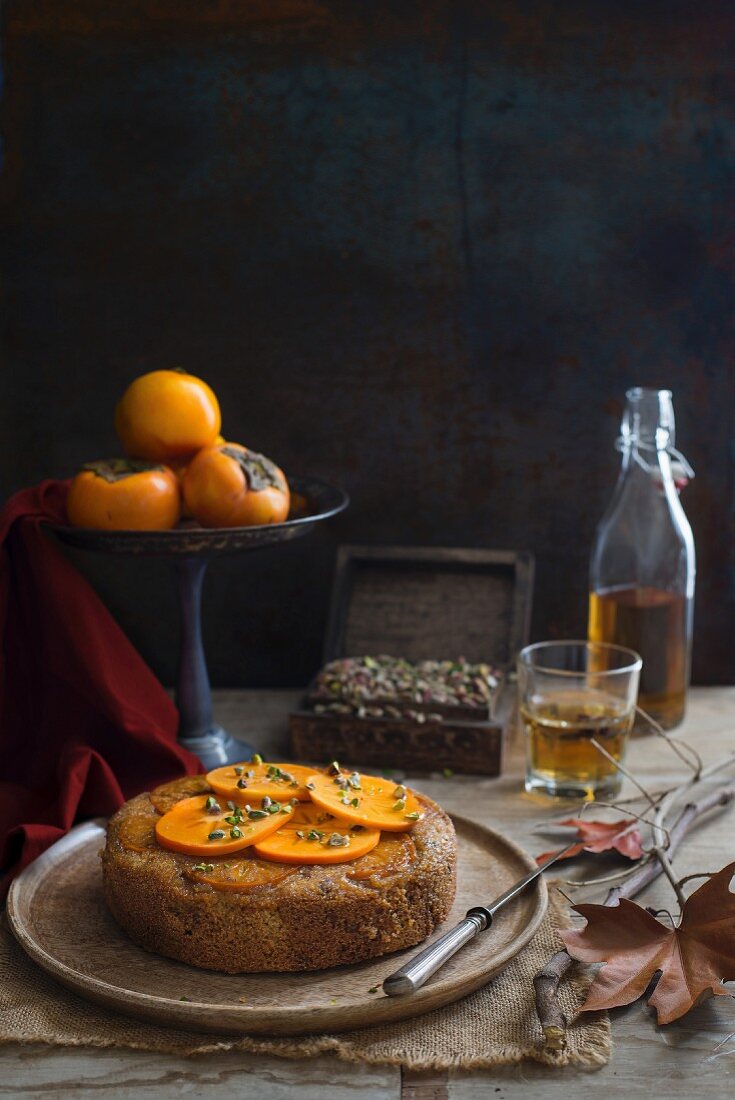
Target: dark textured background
point(419, 248)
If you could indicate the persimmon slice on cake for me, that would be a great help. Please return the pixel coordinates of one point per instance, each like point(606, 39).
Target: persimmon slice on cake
point(202, 826)
point(244, 782)
point(314, 836)
point(367, 800)
point(240, 873)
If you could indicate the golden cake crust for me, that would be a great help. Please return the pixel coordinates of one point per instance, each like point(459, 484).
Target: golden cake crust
point(284, 917)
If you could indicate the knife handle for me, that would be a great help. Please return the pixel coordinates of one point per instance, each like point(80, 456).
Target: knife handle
point(420, 968)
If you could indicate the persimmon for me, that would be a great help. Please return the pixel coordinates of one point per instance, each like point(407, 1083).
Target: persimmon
point(392, 858)
point(312, 836)
point(202, 826)
point(167, 414)
point(120, 494)
point(245, 782)
point(231, 486)
point(299, 506)
point(241, 873)
point(366, 800)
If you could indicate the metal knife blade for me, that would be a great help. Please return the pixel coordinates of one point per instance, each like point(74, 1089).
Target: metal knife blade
point(420, 968)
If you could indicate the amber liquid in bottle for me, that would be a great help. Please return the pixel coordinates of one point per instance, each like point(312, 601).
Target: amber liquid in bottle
point(654, 624)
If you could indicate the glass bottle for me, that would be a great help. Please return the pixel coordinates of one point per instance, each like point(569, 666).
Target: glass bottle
point(642, 567)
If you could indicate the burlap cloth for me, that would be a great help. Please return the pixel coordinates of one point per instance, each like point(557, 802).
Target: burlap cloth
point(496, 1025)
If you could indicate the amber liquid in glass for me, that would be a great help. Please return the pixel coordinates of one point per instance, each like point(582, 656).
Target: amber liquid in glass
point(653, 623)
point(559, 731)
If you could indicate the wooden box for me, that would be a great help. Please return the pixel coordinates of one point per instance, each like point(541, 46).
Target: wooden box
point(421, 604)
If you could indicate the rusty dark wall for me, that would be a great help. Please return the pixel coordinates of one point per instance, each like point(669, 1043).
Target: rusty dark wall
point(417, 248)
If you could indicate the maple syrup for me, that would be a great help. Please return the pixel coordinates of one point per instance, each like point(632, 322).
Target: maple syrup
point(559, 731)
point(642, 568)
point(655, 624)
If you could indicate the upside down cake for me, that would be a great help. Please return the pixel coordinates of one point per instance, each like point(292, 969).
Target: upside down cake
point(263, 867)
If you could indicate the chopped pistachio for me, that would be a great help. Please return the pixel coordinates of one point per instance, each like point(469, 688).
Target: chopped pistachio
point(334, 768)
point(235, 833)
point(239, 770)
point(338, 840)
point(415, 816)
point(218, 834)
point(257, 758)
point(256, 815)
point(373, 989)
point(212, 805)
point(400, 804)
point(231, 806)
point(311, 786)
point(207, 868)
point(399, 792)
point(242, 784)
point(389, 687)
point(266, 802)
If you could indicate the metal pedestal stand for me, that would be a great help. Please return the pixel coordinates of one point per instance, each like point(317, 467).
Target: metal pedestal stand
point(191, 548)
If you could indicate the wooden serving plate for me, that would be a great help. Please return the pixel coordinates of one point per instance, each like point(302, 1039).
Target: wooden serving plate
point(58, 915)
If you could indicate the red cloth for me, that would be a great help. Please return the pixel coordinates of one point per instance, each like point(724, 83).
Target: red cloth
point(84, 723)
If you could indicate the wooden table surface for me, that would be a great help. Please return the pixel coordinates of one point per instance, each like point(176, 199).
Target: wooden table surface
point(695, 1056)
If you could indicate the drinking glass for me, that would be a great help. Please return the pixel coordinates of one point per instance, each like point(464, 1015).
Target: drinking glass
point(571, 695)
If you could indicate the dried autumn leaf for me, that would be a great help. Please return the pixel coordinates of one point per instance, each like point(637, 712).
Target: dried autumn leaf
point(602, 836)
point(695, 958)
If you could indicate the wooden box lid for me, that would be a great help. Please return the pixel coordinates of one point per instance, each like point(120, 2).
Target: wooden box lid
point(425, 603)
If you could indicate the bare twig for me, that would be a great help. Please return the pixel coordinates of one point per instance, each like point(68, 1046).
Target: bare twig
point(657, 913)
point(623, 771)
point(699, 874)
point(603, 879)
point(723, 1041)
point(717, 799)
point(660, 851)
point(630, 813)
point(661, 839)
point(679, 747)
point(656, 796)
point(660, 835)
point(547, 980)
point(662, 843)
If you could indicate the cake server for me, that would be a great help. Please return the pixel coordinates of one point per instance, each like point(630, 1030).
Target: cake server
point(421, 967)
